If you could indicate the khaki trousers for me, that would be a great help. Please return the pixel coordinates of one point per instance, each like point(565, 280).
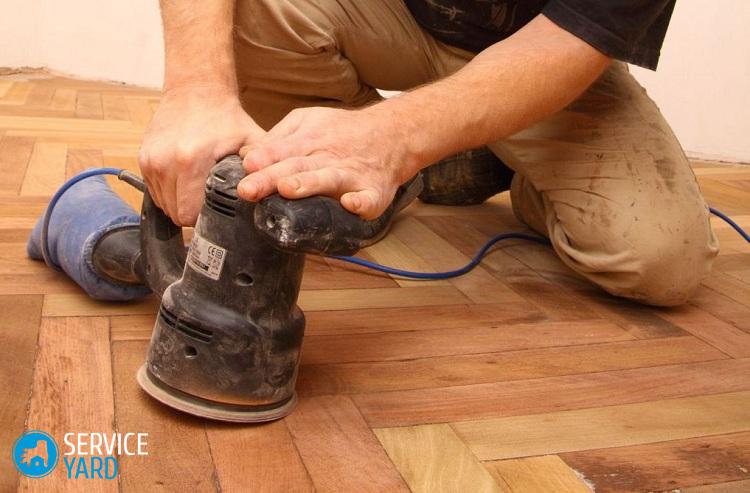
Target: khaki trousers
point(606, 180)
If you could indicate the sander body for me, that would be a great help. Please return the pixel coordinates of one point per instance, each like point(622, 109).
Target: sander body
point(227, 337)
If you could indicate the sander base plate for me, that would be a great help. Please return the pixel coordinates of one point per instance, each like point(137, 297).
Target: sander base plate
point(210, 409)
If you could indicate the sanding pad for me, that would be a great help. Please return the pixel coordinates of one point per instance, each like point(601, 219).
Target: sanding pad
point(210, 409)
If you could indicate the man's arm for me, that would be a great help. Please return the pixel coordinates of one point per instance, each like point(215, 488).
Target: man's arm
point(504, 89)
point(361, 156)
point(200, 118)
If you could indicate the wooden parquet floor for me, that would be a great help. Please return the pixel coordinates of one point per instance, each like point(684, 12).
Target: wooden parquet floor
point(515, 378)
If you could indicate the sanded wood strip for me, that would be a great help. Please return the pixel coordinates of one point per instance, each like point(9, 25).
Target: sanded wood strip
point(537, 475)
point(442, 342)
point(445, 371)
point(432, 458)
point(80, 305)
point(613, 426)
point(392, 252)
point(478, 285)
point(465, 403)
point(419, 318)
point(349, 299)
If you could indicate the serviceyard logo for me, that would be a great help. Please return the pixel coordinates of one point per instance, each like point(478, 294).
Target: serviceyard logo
point(85, 455)
point(35, 454)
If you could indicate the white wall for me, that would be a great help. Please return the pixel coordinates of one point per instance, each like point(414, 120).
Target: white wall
point(100, 39)
point(702, 85)
point(703, 81)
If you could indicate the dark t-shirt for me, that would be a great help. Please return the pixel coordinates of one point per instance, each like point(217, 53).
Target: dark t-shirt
point(629, 30)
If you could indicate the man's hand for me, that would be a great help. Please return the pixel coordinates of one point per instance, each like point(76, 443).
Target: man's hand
point(194, 127)
point(357, 156)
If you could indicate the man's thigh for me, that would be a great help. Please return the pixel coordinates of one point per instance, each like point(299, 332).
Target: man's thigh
point(607, 180)
point(293, 53)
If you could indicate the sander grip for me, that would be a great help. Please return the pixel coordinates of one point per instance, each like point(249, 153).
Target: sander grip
point(162, 247)
point(320, 225)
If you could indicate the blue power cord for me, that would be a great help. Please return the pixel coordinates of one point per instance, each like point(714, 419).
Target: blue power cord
point(353, 260)
point(451, 273)
point(728, 220)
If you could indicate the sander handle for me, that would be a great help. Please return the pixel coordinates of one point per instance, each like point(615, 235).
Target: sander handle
point(163, 253)
point(320, 225)
point(317, 225)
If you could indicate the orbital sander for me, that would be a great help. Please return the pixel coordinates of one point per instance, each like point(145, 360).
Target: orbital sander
point(227, 338)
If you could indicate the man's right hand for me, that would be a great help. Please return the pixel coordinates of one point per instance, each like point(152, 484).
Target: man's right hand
point(194, 127)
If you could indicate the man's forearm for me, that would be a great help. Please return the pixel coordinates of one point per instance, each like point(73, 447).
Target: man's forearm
point(504, 89)
point(198, 43)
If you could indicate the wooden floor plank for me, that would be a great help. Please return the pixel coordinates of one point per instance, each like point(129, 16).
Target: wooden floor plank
point(722, 335)
point(478, 285)
point(17, 94)
point(179, 456)
point(64, 99)
point(730, 487)
point(140, 111)
point(72, 392)
point(464, 403)
point(257, 458)
point(350, 299)
point(537, 475)
point(115, 107)
point(612, 426)
point(80, 305)
point(341, 322)
point(368, 320)
point(393, 252)
point(554, 302)
point(729, 287)
point(89, 105)
point(432, 458)
point(444, 371)
point(82, 159)
point(340, 452)
point(15, 153)
point(46, 170)
point(722, 307)
point(665, 466)
point(443, 342)
point(19, 327)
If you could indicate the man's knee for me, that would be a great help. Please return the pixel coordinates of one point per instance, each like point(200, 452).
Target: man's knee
point(670, 268)
point(661, 267)
point(657, 262)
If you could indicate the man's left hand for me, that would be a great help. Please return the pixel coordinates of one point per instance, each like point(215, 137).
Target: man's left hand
point(356, 156)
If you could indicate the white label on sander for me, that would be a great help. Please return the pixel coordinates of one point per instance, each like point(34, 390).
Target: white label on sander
point(205, 257)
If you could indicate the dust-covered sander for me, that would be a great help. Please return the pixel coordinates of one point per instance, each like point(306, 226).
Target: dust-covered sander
point(227, 339)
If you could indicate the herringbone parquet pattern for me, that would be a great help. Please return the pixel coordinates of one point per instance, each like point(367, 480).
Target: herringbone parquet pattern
point(515, 378)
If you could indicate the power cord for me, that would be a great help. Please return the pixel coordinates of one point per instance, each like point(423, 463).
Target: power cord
point(138, 183)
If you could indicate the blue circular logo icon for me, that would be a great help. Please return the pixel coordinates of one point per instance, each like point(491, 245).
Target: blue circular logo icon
point(35, 454)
